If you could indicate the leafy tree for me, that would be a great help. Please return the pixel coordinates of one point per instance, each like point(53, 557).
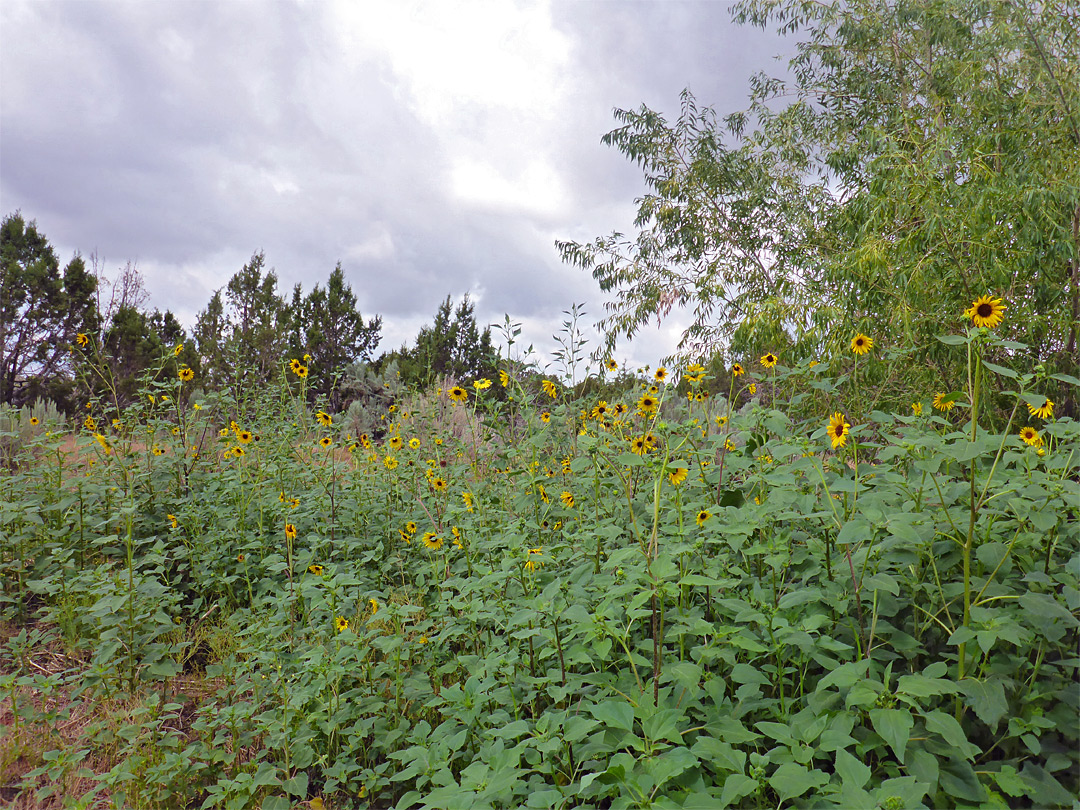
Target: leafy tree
point(452, 346)
point(327, 325)
point(926, 152)
point(42, 310)
point(256, 317)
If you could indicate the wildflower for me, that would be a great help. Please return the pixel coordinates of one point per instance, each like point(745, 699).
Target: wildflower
point(179, 348)
point(549, 388)
point(600, 411)
point(186, 374)
point(223, 433)
point(482, 384)
point(621, 409)
point(861, 344)
point(1044, 411)
point(567, 498)
point(173, 520)
point(611, 364)
point(660, 374)
point(721, 421)
point(307, 358)
point(410, 527)
point(396, 443)
point(916, 408)
point(638, 446)
point(157, 451)
point(374, 606)
point(404, 535)
point(244, 436)
point(414, 443)
point(534, 559)
point(294, 364)
point(838, 430)
point(300, 371)
point(941, 403)
point(648, 404)
point(238, 451)
point(365, 441)
point(290, 531)
point(543, 493)
point(432, 541)
point(324, 418)
point(390, 463)
point(82, 339)
point(504, 379)
point(90, 423)
point(677, 475)
point(421, 640)
point(814, 363)
point(650, 441)
point(227, 455)
point(985, 311)
point(729, 445)
point(695, 373)
point(702, 516)
point(325, 442)
point(701, 396)
point(239, 557)
point(439, 484)
point(34, 421)
point(751, 389)
point(768, 360)
point(341, 623)
point(458, 394)
point(545, 417)
point(737, 370)
point(316, 569)
point(1031, 436)
point(468, 498)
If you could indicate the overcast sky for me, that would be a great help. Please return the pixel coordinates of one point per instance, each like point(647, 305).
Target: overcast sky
point(432, 148)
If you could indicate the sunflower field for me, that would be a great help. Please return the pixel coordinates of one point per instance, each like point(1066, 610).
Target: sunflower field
point(756, 586)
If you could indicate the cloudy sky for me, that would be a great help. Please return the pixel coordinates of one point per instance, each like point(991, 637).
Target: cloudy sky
point(431, 147)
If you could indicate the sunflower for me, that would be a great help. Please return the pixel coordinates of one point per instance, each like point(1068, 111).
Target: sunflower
point(677, 475)
point(294, 364)
point(648, 404)
point(186, 374)
point(751, 389)
point(916, 408)
point(324, 418)
point(239, 452)
point(341, 623)
point(482, 385)
point(325, 442)
point(404, 535)
point(721, 421)
point(838, 430)
point(374, 605)
point(468, 498)
point(396, 443)
point(545, 417)
point(702, 516)
point(173, 520)
point(89, 423)
point(178, 348)
point(768, 360)
point(290, 531)
point(695, 373)
point(534, 559)
point(157, 450)
point(1044, 411)
point(34, 421)
point(660, 374)
point(701, 396)
point(390, 463)
point(611, 364)
point(985, 311)
point(729, 445)
point(638, 446)
point(439, 484)
point(82, 339)
point(432, 541)
point(410, 527)
point(941, 403)
point(737, 369)
point(861, 344)
point(414, 443)
point(650, 441)
point(316, 569)
point(567, 498)
point(549, 388)
point(459, 544)
point(244, 436)
point(458, 394)
point(1031, 436)
point(601, 409)
point(300, 371)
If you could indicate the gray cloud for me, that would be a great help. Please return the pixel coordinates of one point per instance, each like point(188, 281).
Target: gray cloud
point(185, 136)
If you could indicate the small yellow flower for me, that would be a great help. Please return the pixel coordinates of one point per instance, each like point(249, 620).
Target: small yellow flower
point(290, 531)
point(737, 370)
point(325, 442)
point(324, 418)
point(838, 430)
point(1031, 436)
point(432, 541)
point(374, 605)
point(186, 374)
point(567, 498)
point(157, 450)
point(173, 520)
point(414, 443)
point(341, 623)
point(985, 311)
point(458, 394)
point(729, 445)
point(768, 360)
point(238, 452)
point(395, 443)
point(82, 339)
point(694, 373)
point(90, 423)
point(34, 421)
point(549, 388)
point(504, 379)
point(300, 371)
point(611, 364)
point(439, 484)
point(468, 498)
point(940, 403)
point(702, 516)
point(751, 389)
point(648, 404)
point(861, 344)
point(1044, 411)
point(410, 527)
point(316, 569)
point(660, 374)
point(482, 384)
point(721, 421)
point(390, 463)
point(178, 349)
point(534, 559)
point(916, 408)
point(244, 436)
point(677, 475)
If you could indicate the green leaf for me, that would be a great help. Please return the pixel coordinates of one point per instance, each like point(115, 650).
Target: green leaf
point(958, 778)
point(953, 340)
point(921, 686)
point(670, 764)
point(614, 714)
point(986, 699)
point(1005, 372)
point(851, 770)
point(736, 787)
point(951, 731)
point(297, 785)
point(894, 726)
point(791, 780)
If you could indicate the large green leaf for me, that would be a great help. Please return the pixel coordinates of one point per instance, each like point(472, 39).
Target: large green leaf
point(894, 726)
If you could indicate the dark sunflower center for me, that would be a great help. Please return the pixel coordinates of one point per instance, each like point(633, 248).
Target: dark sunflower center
point(839, 430)
point(985, 310)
